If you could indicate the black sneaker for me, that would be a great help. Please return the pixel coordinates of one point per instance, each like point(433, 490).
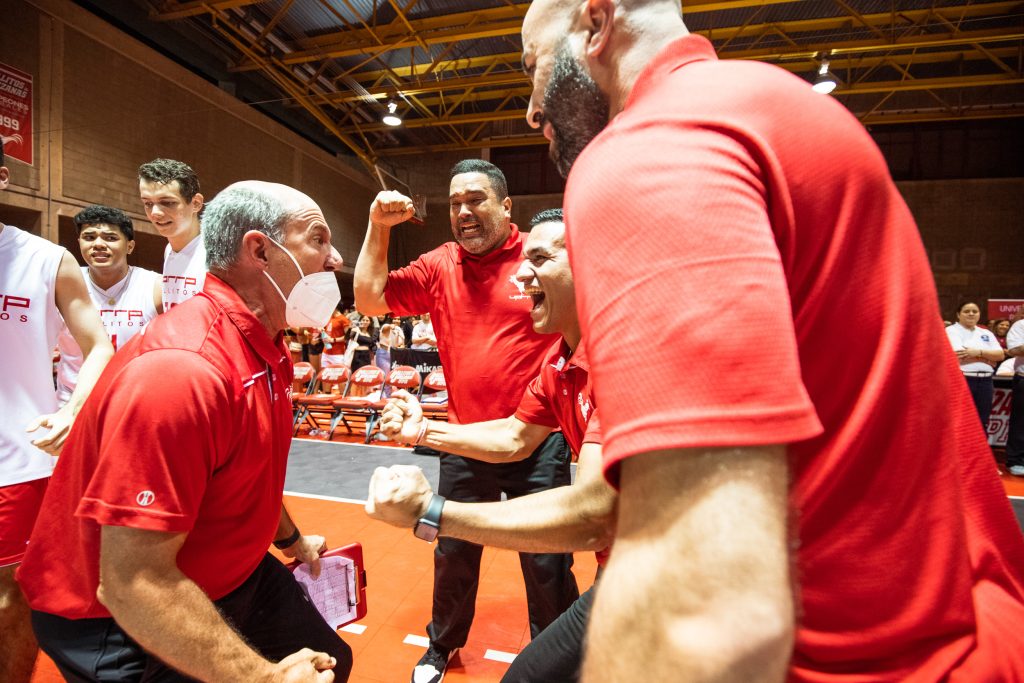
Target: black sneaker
point(432, 665)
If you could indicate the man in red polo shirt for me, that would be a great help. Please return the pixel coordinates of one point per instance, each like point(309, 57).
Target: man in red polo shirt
point(797, 501)
point(489, 352)
point(565, 519)
point(149, 559)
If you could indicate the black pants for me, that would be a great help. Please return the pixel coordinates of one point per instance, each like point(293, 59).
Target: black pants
point(556, 655)
point(550, 585)
point(269, 610)
point(1015, 440)
point(982, 391)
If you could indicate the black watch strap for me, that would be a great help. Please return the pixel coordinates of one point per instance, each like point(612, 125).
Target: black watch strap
point(429, 524)
point(285, 543)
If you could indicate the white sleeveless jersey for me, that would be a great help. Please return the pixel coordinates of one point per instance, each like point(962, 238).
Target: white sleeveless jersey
point(184, 272)
point(131, 309)
point(29, 323)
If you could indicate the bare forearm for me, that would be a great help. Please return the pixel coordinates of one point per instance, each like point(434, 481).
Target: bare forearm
point(172, 618)
point(701, 558)
point(370, 276)
point(92, 368)
point(495, 441)
point(1016, 351)
point(565, 519)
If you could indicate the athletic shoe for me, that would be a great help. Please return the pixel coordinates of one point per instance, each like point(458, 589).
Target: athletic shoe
point(432, 665)
point(1017, 470)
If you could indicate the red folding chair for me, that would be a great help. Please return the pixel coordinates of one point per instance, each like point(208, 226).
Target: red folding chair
point(361, 394)
point(434, 396)
point(312, 408)
point(303, 379)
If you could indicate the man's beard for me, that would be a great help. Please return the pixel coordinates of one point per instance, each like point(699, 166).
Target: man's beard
point(574, 106)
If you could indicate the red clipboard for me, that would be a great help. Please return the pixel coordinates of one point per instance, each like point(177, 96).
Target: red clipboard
point(339, 594)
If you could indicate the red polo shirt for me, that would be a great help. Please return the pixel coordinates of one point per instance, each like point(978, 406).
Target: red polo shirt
point(187, 431)
point(481, 319)
point(559, 397)
point(768, 203)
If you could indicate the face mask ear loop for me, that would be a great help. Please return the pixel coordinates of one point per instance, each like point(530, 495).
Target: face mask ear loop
point(294, 260)
point(280, 293)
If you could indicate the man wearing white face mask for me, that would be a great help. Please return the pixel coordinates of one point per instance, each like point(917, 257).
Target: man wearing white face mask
point(153, 540)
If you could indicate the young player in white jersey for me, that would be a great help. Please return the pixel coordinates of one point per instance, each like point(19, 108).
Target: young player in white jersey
point(171, 198)
point(39, 284)
point(127, 297)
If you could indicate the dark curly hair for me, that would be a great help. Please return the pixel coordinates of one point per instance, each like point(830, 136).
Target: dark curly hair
point(97, 213)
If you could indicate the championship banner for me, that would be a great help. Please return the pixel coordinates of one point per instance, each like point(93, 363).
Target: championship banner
point(16, 113)
point(424, 361)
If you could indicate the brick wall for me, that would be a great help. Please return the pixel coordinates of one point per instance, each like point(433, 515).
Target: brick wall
point(105, 104)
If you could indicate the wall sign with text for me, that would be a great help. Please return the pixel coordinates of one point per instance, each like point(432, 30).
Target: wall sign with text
point(16, 113)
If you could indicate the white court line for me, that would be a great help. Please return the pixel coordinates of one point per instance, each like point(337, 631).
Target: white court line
point(422, 641)
point(317, 496)
point(407, 449)
point(499, 656)
point(357, 629)
point(1016, 497)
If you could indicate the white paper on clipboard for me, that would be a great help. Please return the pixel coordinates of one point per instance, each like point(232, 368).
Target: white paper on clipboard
point(334, 593)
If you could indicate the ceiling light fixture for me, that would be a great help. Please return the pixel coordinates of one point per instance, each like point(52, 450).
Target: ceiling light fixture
point(825, 82)
point(391, 118)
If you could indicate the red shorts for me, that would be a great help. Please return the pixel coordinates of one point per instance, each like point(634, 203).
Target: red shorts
point(19, 507)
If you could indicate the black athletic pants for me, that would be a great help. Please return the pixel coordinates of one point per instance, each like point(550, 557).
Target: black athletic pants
point(556, 655)
point(269, 610)
point(550, 585)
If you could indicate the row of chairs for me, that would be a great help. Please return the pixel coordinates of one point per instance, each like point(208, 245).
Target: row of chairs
point(356, 398)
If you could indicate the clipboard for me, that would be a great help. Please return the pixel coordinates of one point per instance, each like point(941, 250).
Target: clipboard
point(339, 594)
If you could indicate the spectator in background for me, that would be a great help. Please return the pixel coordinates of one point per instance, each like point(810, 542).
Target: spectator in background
point(1000, 327)
point(407, 327)
point(977, 352)
point(423, 334)
point(366, 342)
point(335, 338)
point(1015, 439)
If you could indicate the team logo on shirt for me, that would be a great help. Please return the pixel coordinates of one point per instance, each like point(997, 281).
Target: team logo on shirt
point(584, 404)
point(520, 287)
point(145, 498)
point(9, 305)
point(985, 338)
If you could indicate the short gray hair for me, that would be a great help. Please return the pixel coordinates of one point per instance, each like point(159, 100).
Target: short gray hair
point(234, 212)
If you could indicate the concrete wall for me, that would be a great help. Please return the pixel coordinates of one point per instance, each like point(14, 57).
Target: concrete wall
point(104, 103)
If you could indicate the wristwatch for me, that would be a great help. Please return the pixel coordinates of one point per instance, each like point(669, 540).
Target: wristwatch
point(430, 523)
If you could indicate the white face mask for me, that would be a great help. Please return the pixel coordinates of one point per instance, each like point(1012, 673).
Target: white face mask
point(312, 299)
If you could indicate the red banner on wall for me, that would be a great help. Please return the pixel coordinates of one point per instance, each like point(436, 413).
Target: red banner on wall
point(16, 113)
point(1003, 308)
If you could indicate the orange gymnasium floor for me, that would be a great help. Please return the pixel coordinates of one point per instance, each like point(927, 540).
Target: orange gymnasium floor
point(389, 641)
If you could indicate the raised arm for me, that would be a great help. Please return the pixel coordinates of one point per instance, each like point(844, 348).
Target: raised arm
point(506, 440)
point(83, 321)
point(698, 587)
point(171, 617)
point(389, 208)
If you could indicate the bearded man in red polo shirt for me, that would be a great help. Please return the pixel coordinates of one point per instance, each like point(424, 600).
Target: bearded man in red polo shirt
point(489, 352)
point(149, 559)
point(798, 502)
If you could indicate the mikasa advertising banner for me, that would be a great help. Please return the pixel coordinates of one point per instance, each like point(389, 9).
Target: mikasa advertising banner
point(16, 113)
